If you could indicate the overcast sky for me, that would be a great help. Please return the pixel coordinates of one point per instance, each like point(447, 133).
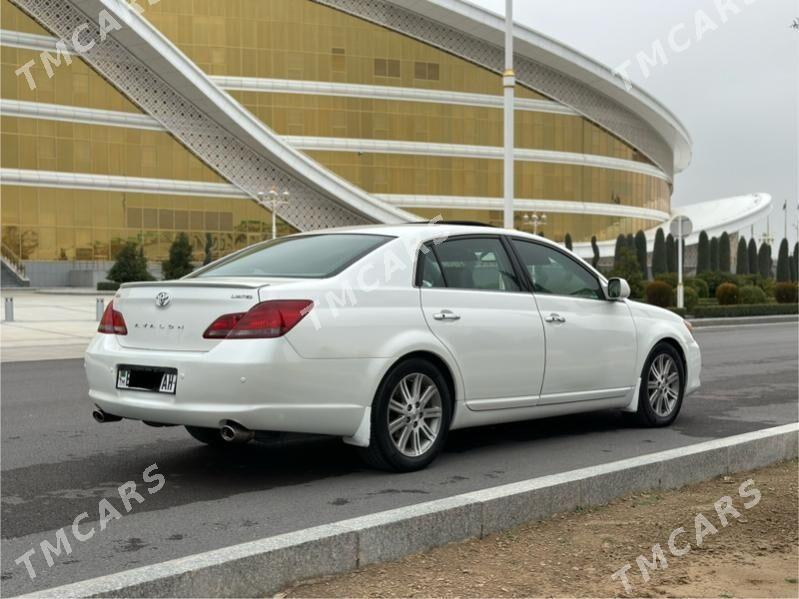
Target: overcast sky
point(736, 90)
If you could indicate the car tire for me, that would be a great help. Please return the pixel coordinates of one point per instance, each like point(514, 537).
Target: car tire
point(414, 390)
point(209, 436)
point(662, 387)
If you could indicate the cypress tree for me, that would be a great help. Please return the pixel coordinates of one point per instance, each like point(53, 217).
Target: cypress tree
point(568, 242)
point(764, 261)
point(714, 254)
point(752, 251)
point(703, 254)
point(595, 249)
point(784, 263)
point(671, 254)
point(659, 254)
point(620, 243)
point(795, 269)
point(725, 260)
point(179, 263)
point(630, 241)
point(742, 258)
point(641, 254)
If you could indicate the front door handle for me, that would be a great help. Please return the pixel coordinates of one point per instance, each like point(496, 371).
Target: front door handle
point(446, 315)
point(555, 318)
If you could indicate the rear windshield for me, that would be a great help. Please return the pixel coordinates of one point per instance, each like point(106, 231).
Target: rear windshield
point(304, 257)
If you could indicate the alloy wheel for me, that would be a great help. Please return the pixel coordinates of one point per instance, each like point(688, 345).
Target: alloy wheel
point(414, 414)
point(663, 385)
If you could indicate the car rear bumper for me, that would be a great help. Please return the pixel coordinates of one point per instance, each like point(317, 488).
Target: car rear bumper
point(262, 384)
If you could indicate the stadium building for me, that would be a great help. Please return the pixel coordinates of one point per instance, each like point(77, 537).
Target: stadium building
point(178, 115)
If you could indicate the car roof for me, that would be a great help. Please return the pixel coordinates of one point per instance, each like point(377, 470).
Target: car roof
point(434, 229)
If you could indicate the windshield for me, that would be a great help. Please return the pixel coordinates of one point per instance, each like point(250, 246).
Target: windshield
point(303, 257)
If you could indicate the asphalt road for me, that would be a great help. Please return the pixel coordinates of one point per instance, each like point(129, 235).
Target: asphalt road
point(57, 463)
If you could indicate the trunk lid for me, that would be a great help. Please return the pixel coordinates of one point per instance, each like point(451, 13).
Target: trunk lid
point(173, 315)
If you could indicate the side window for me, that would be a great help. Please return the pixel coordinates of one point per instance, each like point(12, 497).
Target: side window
point(555, 273)
point(430, 270)
point(477, 263)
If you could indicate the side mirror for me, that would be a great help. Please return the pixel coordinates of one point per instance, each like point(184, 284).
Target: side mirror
point(618, 289)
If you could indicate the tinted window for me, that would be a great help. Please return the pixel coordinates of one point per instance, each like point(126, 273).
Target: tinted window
point(431, 275)
point(313, 256)
point(476, 263)
point(556, 273)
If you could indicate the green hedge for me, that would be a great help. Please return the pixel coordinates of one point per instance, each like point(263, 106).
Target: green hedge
point(107, 286)
point(738, 310)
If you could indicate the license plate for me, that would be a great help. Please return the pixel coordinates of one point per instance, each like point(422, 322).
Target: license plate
point(147, 378)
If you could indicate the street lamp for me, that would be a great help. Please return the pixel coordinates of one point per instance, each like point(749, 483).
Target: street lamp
point(536, 220)
point(508, 83)
point(275, 201)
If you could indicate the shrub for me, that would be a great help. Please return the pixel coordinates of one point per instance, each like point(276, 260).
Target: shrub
point(786, 293)
point(668, 277)
point(751, 295)
point(727, 294)
point(767, 285)
point(745, 310)
point(107, 286)
point(714, 279)
point(698, 285)
point(659, 293)
point(130, 265)
point(627, 267)
point(690, 298)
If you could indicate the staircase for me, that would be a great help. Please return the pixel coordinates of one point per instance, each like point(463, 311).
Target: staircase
point(13, 271)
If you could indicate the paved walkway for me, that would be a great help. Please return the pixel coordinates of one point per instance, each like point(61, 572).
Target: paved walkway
point(47, 326)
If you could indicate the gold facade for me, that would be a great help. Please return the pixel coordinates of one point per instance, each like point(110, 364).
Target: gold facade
point(39, 144)
point(75, 224)
point(394, 120)
point(299, 40)
point(75, 84)
point(435, 175)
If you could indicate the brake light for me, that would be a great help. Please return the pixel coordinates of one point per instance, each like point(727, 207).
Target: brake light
point(266, 320)
point(112, 322)
point(222, 326)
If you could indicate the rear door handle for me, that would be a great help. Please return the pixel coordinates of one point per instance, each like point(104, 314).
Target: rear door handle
point(446, 315)
point(555, 318)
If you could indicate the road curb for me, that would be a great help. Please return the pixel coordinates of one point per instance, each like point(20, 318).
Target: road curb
point(743, 320)
point(265, 566)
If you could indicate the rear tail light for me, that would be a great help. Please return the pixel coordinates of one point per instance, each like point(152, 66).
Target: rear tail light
point(112, 322)
point(266, 320)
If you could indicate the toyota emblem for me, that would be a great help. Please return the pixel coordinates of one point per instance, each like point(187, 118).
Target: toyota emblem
point(162, 299)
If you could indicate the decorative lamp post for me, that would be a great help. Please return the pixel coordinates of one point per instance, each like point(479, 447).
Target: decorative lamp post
point(275, 201)
point(535, 220)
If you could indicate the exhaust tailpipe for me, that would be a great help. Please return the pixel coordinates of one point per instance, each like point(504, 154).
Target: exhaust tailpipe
point(233, 432)
point(101, 417)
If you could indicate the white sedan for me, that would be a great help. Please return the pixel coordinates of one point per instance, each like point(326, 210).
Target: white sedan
point(389, 337)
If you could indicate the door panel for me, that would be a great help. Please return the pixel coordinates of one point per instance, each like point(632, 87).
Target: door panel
point(498, 342)
point(590, 342)
point(474, 302)
point(591, 349)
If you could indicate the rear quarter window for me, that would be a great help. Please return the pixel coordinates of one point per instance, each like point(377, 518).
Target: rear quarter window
point(304, 257)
